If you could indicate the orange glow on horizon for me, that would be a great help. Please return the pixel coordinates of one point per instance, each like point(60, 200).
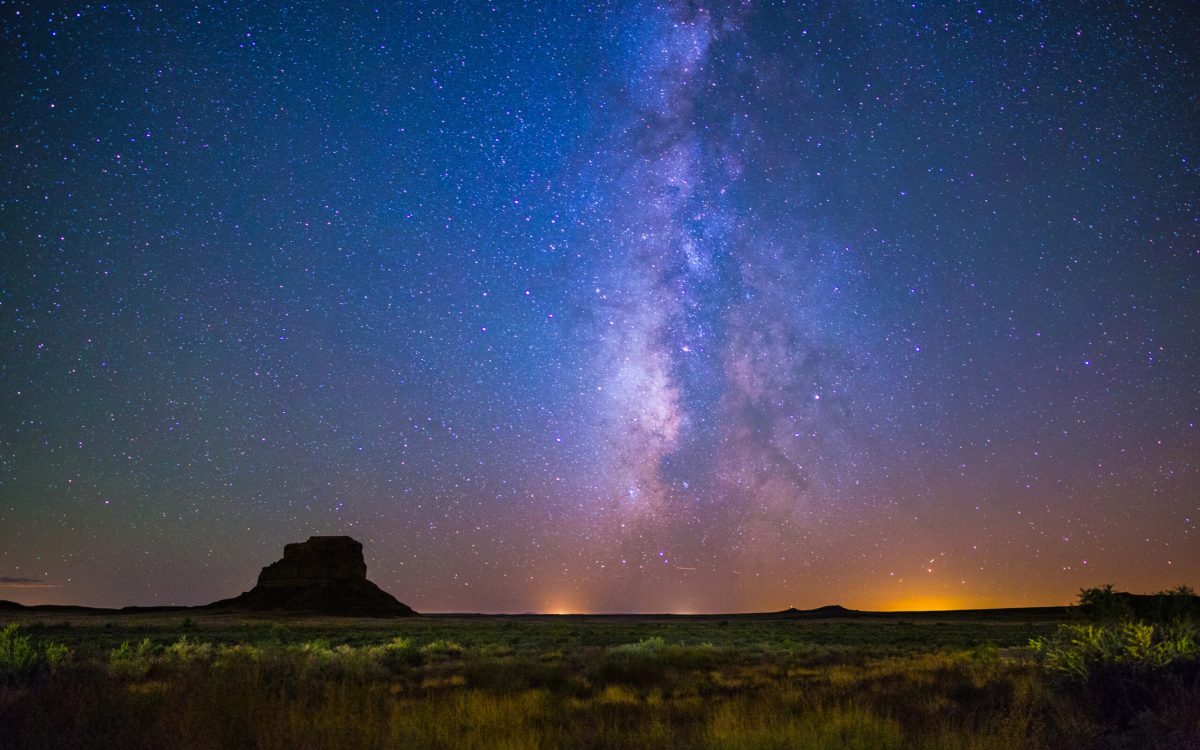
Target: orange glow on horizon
point(562, 606)
point(929, 603)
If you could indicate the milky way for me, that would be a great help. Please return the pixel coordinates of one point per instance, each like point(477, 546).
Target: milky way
point(712, 357)
point(625, 307)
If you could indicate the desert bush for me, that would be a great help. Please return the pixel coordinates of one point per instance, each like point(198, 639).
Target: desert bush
point(443, 648)
point(986, 653)
point(398, 655)
point(239, 653)
point(1127, 675)
point(1101, 604)
point(632, 663)
point(18, 656)
point(318, 660)
point(56, 655)
point(131, 661)
point(1177, 605)
point(1161, 634)
point(1104, 605)
point(22, 657)
point(184, 651)
point(360, 664)
point(1078, 650)
point(645, 647)
point(653, 661)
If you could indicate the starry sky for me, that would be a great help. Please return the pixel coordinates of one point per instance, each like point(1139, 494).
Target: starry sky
point(601, 307)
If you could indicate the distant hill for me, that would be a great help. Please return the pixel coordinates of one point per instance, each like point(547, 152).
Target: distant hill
point(5, 604)
point(837, 611)
point(829, 610)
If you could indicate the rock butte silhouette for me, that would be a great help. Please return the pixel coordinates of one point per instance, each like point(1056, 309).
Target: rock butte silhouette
point(325, 575)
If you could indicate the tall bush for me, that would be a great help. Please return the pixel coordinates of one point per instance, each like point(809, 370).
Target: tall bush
point(22, 657)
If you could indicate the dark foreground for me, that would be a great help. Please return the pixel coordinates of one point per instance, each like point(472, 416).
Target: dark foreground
point(190, 680)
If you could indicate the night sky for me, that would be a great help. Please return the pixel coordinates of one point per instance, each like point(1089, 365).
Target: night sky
point(601, 307)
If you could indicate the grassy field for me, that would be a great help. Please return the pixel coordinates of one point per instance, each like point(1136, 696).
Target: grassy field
point(220, 681)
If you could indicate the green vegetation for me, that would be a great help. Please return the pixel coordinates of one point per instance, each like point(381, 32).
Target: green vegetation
point(22, 658)
point(434, 682)
point(1136, 659)
point(1149, 635)
point(1079, 651)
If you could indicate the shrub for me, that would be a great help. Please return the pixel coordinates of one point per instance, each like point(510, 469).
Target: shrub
point(319, 660)
point(18, 655)
point(274, 633)
point(56, 655)
point(185, 651)
point(1177, 605)
point(443, 648)
point(239, 656)
point(1124, 672)
point(654, 661)
point(986, 653)
point(398, 654)
point(645, 647)
point(131, 662)
point(1077, 650)
point(1102, 604)
point(22, 657)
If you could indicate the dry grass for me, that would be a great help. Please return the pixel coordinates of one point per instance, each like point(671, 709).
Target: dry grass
point(560, 684)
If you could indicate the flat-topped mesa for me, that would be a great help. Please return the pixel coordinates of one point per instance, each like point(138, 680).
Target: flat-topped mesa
point(325, 575)
point(320, 560)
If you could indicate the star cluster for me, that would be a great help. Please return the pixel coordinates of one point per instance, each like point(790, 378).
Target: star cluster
point(624, 306)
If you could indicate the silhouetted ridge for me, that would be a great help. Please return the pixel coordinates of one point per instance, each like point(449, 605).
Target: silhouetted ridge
point(829, 610)
point(325, 575)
